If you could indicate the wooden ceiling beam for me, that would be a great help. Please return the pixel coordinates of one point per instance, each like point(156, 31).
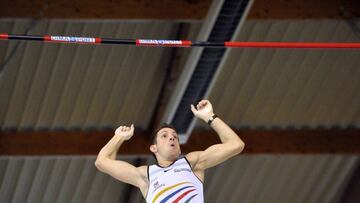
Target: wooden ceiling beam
point(263, 142)
point(303, 9)
point(172, 10)
point(106, 9)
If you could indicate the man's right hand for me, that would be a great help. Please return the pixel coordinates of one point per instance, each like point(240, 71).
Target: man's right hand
point(125, 132)
point(106, 161)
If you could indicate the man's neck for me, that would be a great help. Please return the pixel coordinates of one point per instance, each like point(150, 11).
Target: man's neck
point(165, 163)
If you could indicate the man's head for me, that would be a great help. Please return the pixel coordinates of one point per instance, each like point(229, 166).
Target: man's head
point(165, 143)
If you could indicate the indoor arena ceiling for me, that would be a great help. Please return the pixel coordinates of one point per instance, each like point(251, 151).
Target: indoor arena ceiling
point(56, 88)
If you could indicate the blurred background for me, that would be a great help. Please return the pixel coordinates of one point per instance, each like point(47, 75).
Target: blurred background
point(298, 110)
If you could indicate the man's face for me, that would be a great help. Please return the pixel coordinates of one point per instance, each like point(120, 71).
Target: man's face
point(167, 144)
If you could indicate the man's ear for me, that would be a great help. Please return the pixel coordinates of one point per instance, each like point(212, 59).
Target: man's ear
point(153, 148)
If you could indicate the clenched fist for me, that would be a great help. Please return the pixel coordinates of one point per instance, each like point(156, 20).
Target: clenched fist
point(125, 131)
point(203, 110)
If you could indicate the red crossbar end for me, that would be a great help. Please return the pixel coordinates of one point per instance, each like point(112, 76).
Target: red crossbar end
point(4, 36)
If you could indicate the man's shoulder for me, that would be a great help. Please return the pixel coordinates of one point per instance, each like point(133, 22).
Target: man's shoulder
point(143, 170)
point(192, 158)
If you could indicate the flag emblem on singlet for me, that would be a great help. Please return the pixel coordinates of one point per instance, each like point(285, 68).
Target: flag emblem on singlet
point(184, 191)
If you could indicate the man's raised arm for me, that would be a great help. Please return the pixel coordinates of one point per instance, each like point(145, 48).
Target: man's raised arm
point(121, 170)
point(230, 145)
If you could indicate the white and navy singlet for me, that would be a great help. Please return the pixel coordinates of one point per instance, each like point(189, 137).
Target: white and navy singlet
point(176, 183)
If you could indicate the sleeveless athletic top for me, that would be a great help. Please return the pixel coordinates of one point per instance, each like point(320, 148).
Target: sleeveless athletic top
point(176, 183)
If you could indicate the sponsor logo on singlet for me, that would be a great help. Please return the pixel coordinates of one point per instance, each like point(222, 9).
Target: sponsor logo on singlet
point(157, 185)
point(166, 170)
point(182, 170)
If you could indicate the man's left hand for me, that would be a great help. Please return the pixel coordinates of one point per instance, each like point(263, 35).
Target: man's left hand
point(203, 110)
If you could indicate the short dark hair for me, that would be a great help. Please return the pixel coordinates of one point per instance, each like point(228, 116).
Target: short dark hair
point(163, 125)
